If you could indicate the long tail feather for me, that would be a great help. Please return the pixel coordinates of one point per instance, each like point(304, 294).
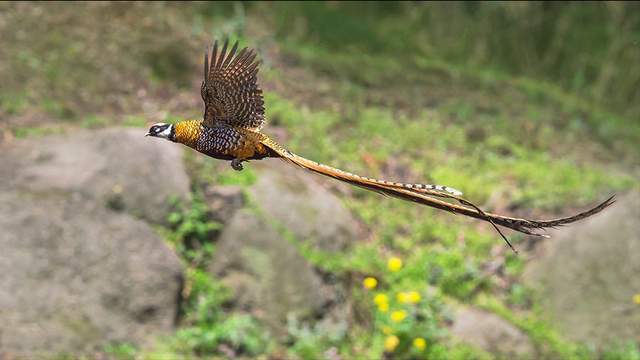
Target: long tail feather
point(424, 195)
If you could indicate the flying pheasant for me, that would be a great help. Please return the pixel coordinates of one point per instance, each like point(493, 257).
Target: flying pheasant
point(230, 130)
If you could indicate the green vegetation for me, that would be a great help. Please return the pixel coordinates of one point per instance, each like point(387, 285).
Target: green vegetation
point(134, 121)
point(544, 40)
point(519, 106)
point(23, 132)
point(191, 230)
point(122, 351)
point(206, 326)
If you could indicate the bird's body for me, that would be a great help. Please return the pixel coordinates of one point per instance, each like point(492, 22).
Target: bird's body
point(230, 130)
point(222, 142)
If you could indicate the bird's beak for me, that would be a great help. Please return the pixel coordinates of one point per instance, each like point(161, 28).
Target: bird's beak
point(147, 134)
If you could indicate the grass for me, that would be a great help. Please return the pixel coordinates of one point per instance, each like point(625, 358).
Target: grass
point(440, 153)
point(438, 251)
point(384, 92)
point(206, 325)
point(26, 131)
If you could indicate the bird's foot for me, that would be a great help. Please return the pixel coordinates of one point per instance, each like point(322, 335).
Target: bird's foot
point(236, 164)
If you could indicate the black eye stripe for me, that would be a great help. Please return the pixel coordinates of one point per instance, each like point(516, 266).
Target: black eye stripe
point(158, 128)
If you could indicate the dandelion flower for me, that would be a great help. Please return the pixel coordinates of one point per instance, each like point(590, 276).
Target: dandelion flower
point(403, 297)
point(413, 297)
point(391, 343)
point(394, 264)
point(370, 283)
point(636, 299)
point(419, 343)
point(380, 298)
point(398, 315)
point(117, 189)
point(383, 307)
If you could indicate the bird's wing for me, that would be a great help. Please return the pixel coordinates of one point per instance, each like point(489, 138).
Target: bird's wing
point(230, 88)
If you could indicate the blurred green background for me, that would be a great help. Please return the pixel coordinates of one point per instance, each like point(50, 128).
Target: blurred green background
point(530, 108)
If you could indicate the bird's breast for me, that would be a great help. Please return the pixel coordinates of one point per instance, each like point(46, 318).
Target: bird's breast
point(188, 132)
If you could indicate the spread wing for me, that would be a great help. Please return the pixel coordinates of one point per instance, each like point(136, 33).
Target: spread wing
point(230, 88)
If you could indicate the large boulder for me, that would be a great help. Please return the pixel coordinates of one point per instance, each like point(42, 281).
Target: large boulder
point(118, 167)
point(78, 270)
point(294, 198)
point(490, 333)
point(258, 252)
point(75, 276)
point(268, 274)
point(587, 275)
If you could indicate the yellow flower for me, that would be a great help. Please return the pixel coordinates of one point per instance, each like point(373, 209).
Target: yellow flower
point(380, 299)
point(398, 315)
point(636, 299)
point(383, 307)
point(117, 189)
point(413, 297)
point(403, 297)
point(419, 343)
point(387, 330)
point(391, 343)
point(370, 283)
point(394, 264)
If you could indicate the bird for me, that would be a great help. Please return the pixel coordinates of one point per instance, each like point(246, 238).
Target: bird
point(234, 114)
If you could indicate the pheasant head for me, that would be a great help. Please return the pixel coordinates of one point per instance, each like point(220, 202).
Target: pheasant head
point(162, 130)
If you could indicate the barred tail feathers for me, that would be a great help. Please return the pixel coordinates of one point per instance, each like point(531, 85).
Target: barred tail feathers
point(422, 194)
point(428, 189)
point(439, 188)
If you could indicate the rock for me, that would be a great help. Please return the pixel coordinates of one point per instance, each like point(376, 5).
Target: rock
point(118, 167)
point(223, 201)
point(292, 197)
point(76, 276)
point(78, 271)
point(267, 273)
point(257, 252)
point(587, 275)
point(490, 333)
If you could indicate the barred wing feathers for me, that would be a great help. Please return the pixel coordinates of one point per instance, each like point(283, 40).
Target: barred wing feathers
point(230, 88)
